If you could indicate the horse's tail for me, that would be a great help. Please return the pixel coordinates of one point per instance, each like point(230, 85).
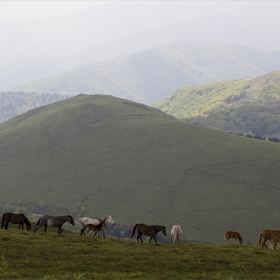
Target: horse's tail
point(38, 222)
point(260, 239)
point(3, 219)
point(175, 236)
point(132, 234)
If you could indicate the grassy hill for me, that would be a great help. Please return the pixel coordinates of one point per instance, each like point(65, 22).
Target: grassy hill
point(98, 155)
point(152, 75)
point(247, 105)
point(25, 255)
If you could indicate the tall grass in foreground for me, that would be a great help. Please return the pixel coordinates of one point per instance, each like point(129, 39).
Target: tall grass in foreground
point(25, 255)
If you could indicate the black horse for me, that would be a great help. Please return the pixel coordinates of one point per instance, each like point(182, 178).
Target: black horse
point(148, 230)
point(19, 219)
point(52, 221)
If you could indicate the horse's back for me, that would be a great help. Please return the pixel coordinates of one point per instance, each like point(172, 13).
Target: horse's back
point(232, 234)
point(176, 230)
point(86, 221)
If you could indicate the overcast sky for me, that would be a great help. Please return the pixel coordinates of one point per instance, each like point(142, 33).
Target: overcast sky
point(17, 10)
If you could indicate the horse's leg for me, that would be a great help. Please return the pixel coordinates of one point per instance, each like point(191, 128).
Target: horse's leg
point(155, 239)
point(83, 230)
point(6, 225)
point(150, 239)
point(45, 228)
point(139, 237)
point(60, 230)
point(264, 240)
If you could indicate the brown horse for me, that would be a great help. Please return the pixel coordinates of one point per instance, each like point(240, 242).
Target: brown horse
point(96, 228)
point(148, 230)
point(267, 234)
point(233, 234)
point(19, 219)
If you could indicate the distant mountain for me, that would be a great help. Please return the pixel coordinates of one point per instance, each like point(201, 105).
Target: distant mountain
point(240, 106)
point(98, 155)
point(152, 75)
point(16, 103)
point(52, 45)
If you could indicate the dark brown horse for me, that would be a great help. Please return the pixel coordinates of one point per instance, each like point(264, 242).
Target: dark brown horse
point(267, 234)
point(19, 219)
point(148, 230)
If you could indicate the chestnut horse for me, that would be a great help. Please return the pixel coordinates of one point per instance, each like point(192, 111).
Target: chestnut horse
point(148, 230)
point(19, 219)
point(267, 234)
point(97, 228)
point(233, 234)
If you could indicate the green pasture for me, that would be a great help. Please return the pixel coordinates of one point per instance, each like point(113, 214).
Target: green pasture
point(29, 255)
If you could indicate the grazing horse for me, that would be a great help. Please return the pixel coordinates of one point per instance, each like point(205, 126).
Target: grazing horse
point(176, 232)
point(96, 228)
point(148, 230)
point(267, 234)
point(233, 234)
point(52, 221)
point(86, 221)
point(19, 219)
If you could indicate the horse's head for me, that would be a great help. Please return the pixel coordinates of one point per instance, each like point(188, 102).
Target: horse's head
point(240, 241)
point(28, 225)
point(71, 220)
point(109, 220)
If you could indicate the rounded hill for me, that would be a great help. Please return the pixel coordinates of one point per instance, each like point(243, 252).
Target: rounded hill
point(97, 155)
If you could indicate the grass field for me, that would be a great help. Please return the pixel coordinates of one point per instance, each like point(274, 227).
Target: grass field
point(29, 255)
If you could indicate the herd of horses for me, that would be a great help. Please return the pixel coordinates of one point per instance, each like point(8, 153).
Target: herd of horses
point(98, 225)
point(89, 224)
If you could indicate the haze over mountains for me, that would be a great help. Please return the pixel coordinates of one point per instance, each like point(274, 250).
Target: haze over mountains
point(152, 75)
point(42, 47)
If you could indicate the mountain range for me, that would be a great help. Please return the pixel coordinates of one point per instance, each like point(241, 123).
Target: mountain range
point(41, 47)
point(152, 75)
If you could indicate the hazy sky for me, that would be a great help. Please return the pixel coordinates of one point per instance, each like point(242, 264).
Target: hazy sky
point(13, 10)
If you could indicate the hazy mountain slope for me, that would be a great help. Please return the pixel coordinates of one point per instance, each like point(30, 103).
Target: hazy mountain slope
point(248, 105)
point(152, 75)
point(97, 155)
point(52, 45)
point(15, 103)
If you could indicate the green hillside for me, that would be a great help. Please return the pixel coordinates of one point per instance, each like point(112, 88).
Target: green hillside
point(152, 75)
point(247, 106)
point(98, 155)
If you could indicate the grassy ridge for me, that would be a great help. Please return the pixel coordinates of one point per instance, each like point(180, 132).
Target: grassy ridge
point(25, 255)
point(99, 155)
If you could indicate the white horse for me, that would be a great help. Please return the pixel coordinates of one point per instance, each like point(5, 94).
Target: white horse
point(177, 232)
point(89, 221)
point(273, 242)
